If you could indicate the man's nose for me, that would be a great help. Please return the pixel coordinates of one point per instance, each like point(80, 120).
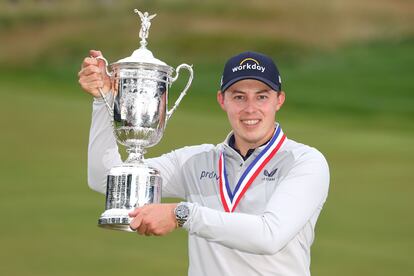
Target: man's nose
point(250, 106)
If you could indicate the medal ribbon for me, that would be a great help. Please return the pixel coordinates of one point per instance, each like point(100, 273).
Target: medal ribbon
point(230, 199)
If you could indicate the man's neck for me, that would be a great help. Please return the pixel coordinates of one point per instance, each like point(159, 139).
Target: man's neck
point(247, 148)
point(244, 149)
point(244, 146)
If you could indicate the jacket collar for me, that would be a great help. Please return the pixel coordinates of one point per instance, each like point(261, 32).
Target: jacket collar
point(229, 143)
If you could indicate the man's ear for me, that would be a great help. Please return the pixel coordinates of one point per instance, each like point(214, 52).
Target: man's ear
point(280, 100)
point(220, 99)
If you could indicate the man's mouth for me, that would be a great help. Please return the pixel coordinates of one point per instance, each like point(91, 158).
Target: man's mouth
point(250, 122)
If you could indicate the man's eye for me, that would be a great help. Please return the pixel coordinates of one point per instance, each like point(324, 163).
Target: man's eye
point(262, 97)
point(238, 97)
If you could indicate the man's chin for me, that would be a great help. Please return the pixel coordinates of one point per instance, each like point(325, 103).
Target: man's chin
point(252, 141)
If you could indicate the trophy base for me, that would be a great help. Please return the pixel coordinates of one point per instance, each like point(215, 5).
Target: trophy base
point(120, 224)
point(115, 219)
point(129, 186)
point(118, 227)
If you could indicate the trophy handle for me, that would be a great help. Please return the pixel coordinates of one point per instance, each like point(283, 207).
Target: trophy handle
point(108, 106)
point(184, 92)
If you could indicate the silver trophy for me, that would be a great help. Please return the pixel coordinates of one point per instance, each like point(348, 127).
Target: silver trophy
point(137, 106)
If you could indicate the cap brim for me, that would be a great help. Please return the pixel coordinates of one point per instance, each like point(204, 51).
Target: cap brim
point(271, 84)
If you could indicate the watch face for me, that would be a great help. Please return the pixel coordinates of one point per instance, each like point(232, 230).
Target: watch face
point(182, 211)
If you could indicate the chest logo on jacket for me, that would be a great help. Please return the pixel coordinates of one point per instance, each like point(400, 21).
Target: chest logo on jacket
point(209, 175)
point(269, 176)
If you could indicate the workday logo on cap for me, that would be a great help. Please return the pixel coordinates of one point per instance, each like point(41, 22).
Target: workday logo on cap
point(251, 65)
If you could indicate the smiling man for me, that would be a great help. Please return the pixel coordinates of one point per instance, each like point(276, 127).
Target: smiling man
point(250, 204)
point(251, 107)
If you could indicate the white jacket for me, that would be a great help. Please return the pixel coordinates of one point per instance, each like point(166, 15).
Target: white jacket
point(271, 230)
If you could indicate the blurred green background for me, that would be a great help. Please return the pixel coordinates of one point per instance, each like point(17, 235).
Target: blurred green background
point(347, 69)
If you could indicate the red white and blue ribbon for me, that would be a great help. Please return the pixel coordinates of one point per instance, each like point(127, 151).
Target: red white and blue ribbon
point(230, 199)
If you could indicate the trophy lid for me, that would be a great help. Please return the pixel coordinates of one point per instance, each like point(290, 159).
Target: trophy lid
point(143, 55)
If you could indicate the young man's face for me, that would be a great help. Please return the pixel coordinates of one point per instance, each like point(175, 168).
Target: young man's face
point(251, 107)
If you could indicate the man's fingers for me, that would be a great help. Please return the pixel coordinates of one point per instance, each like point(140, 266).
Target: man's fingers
point(92, 86)
point(100, 62)
point(138, 223)
point(95, 53)
point(148, 232)
point(91, 78)
point(135, 223)
point(90, 69)
point(153, 219)
point(92, 75)
point(142, 229)
point(89, 61)
point(134, 212)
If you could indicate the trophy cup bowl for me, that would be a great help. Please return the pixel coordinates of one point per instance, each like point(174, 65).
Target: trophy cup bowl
point(139, 113)
point(140, 103)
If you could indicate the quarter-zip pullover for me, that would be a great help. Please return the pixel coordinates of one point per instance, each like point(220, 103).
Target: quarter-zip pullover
point(271, 230)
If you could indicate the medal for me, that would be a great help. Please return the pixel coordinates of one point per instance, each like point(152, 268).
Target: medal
point(230, 199)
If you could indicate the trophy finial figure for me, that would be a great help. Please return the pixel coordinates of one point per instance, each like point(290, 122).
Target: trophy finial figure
point(145, 25)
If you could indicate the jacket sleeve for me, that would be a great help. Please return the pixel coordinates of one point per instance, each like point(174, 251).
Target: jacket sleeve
point(297, 200)
point(102, 150)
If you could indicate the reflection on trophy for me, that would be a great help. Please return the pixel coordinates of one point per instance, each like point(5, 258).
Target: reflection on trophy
point(138, 108)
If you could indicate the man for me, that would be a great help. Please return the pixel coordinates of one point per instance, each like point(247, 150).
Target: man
point(250, 203)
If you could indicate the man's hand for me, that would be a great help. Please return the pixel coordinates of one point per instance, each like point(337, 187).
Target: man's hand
point(92, 75)
point(154, 219)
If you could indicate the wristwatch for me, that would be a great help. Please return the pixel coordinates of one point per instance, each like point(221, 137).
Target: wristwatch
point(182, 212)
